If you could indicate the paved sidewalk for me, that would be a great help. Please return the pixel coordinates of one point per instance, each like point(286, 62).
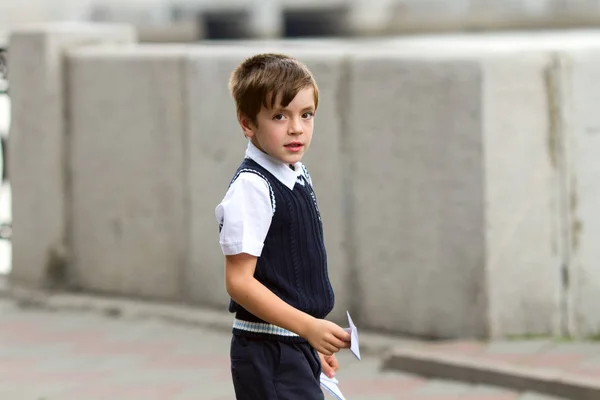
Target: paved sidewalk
point(569, 369)
point(87, 356)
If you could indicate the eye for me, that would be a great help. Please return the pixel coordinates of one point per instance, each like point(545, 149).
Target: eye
point(279, 117)
point(308, 115)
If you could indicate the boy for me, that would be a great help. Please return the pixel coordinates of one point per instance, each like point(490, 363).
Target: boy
point(272, 238)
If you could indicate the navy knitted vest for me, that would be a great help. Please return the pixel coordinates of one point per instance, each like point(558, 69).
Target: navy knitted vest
point(293, 262)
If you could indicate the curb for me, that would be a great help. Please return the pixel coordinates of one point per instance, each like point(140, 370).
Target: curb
point(120, 307)
point(399, 354)
point(459, 368)
point(373, 344)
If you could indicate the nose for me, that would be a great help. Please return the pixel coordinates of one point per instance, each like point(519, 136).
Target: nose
point(295, 127)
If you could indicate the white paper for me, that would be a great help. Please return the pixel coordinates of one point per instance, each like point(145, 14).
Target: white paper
point(354, 347)
point(331, 386)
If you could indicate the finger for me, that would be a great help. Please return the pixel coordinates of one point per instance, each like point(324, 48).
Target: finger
point(333, 349)
point(333, 363)
point(327, 349)
point(338, 343)
point(323, 350)
point(328, 370)
point(342, 335)
point(322, 357)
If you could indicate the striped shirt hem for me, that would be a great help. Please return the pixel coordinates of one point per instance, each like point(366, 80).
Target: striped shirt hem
point(262, 327)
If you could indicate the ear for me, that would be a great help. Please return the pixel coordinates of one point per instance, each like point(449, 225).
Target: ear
point(247, 126)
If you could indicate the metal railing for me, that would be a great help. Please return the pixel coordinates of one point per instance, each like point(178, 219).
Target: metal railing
point(3, 71)
point(5, 226)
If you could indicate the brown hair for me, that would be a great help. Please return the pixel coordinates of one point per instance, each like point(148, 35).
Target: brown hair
point(260, 79)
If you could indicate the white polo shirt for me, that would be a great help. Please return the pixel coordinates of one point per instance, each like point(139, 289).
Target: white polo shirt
point(246, 210)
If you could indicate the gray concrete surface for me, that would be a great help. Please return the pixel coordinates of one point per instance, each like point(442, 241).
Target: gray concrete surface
point(522, 196)
point(418, 193)
point(75, 355)
point(216, 149)
point(130, 204)
point(563, 204)
point(555, 368)
point(456, 178)
point(472, 187)
point(38, 137)
point(580, 77)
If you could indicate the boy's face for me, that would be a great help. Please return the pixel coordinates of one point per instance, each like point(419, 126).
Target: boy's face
point(284, 133)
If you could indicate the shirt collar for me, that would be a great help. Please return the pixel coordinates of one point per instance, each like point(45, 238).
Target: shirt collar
point(279, 169)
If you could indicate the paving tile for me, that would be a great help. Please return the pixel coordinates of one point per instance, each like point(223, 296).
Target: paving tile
point(497, 358)
point(428, 396)
point(514, 396)
point(587, 349)
point(519, 347)
point(73, 355)
point(585, 371)
point(146, 391)
point(555, 360)
point(485, 390)
point(591, 362)
point(376, 386)
point(459, 347)
point(537, 396)
point(489, 393)
point(442, 387)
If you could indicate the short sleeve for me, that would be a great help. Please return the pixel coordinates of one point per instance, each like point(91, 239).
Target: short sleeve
point(245, 215)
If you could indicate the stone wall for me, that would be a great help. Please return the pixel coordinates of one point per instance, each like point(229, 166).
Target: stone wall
point(456, 175)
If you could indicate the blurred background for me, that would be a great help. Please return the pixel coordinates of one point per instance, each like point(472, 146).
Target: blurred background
point(485, 25)
point(461, 30)
point(192, 20)
point(197, 21)
point(5, 197)
point(457, 164)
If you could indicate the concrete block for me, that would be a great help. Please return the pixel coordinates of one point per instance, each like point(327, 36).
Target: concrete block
point(217, 147)
point(495, 43)
point(580, 88)
point(523, 227)
point(38, 142)
point(443, 222)
point(572, 146)
point(417, 193)
point(130, 210)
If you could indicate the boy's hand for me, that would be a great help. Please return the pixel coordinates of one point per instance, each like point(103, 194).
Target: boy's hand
point(326, 337)
point(329, 364)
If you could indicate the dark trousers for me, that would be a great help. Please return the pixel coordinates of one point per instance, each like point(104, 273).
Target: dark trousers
point(273, 370)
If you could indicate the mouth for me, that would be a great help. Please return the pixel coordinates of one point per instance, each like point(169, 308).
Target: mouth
point(294, 146)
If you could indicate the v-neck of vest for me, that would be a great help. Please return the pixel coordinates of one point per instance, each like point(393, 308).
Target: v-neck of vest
point(277, 179)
